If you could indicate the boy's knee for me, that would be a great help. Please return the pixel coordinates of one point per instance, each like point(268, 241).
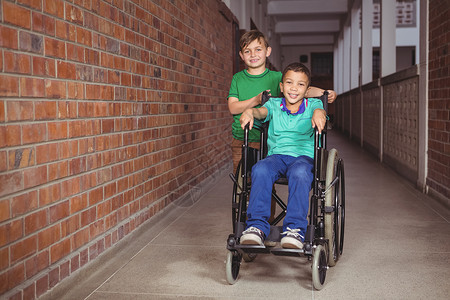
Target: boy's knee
point(260, 168)
point(300, 173)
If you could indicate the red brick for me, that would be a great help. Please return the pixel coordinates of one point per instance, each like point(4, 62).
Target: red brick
point(35, 221)
point(17, 63)
point(31, 3)
point(65, 31)
point(46, 153)
point(11, 182)
point(75, 52)
point(33, 133)
point(29, 292)
point(70, 187)
point(16, 15)
point(10, 135)
point(11, 232)
point(67, 109)
point(43, 23)
point(32, 87)
point(21, 158)
point(74, 14)
point(79, 239)
point(13, 277)
point(48, 236)
point(75, 90)
point(57, 130)
point(55, 89)
point(45, 110)
point(44, 67)
point(70, 225)
point(9, 86)
point(59, 211)
point(5, 212)
point(23, 249)
point(30, 42)
point(64, 270)
point(2, 109)
point(66, 70)
point(54, 48)
point(4, 258)
point(19, 110)
point(8, 38)
point(99, 92)
point(36, 264)
point(34, 176)
point(24, 203)
point(59, 250)
point(49, 194)
point(54, 7)
point(42, 283)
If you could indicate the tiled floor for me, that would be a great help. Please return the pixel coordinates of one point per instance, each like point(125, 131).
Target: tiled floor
point(397, 246)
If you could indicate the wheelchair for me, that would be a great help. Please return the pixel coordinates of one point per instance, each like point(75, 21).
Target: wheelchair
point(324, 240)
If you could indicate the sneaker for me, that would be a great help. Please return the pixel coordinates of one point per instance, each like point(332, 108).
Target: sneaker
point(292, 239)
point(252, 236)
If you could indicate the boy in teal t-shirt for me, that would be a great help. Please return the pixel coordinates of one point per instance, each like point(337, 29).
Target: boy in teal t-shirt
point(290, 154)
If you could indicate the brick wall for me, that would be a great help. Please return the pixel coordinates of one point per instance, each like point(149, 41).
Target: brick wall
point(439, 99)
point(109, 111)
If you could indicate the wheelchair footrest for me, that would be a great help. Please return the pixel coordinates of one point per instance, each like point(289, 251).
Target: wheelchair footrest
point(253, 248)
point(287, 252)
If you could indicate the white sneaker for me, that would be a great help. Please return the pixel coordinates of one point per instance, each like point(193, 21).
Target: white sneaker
point(292, 239)
point(252, 236)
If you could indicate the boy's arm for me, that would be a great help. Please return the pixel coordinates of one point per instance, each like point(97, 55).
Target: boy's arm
point(236, 107)
point(317, 92)
point(249, 114)
point(318, 119)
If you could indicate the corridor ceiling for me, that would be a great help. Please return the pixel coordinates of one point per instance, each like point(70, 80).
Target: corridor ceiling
point(307, 22)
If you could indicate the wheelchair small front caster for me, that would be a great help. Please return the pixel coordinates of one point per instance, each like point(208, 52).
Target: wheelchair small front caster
point(319, 267)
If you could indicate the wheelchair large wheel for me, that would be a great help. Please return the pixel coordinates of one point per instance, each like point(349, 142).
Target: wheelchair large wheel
point(232, 266)
point(319, 267)
point(335, 198)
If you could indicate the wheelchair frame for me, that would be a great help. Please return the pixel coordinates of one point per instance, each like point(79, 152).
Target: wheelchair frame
point(324, 238)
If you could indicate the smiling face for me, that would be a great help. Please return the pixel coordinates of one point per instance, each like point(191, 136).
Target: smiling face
point(294, 87)
point(254, 55)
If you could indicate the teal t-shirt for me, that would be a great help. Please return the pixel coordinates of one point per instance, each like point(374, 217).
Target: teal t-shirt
point(291, 134)
point(245, 86)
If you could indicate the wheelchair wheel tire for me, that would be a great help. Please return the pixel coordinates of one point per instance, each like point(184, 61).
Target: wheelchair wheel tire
point(334, 221)
point(319, 267)
point(232, 266)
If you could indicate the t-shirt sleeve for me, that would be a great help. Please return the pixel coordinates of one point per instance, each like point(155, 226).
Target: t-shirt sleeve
point(315, 104)
point(269, 106)
point(233, 89)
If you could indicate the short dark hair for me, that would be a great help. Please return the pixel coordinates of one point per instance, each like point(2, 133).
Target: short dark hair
point(250, 36)
point(297, 67)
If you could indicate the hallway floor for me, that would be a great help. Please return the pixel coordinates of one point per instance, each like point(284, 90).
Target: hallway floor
point(397, 246)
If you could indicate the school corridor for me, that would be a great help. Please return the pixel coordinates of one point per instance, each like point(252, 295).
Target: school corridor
point(397, 246)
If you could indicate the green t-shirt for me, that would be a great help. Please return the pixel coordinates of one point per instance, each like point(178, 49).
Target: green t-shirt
point(291, 133)
point(245, 86)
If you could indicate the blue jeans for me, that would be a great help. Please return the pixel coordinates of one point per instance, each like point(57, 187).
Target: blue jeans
point(299, 172)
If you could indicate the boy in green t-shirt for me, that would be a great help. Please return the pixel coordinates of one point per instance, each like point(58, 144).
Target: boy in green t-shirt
point(248, 85)
point(290, 142)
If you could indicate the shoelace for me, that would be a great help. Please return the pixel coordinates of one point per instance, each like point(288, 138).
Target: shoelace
point(294, 232)
point(252, 229)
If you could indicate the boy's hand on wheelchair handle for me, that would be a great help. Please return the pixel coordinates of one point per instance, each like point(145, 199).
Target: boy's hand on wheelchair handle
point(319, 119)
point(247, 118)
point(331, 96)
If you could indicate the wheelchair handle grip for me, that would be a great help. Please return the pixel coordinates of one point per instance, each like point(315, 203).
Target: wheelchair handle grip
point(325, 101)
point(264, 97)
